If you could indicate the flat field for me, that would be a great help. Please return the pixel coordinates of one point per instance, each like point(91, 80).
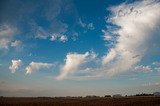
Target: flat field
point(101, 101)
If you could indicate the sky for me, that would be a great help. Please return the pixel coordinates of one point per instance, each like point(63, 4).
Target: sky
point(79, 47)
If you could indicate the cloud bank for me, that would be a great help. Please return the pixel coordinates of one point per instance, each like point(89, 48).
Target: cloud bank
point(132, 30)
point(15, 65)
point(133, 33)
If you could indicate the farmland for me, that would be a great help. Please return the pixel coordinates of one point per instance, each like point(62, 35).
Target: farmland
point(78, 101)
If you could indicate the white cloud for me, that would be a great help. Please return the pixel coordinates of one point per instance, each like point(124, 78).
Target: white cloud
point(15, 65)
point(6, 35)
point(53, 37)
point(63, 38)
point(35, 66)
point(72, 62)
point(16, 43)
point(59, 37)
point(110, 56)
point(142, 68)
point(138, 27)
point(108, 38)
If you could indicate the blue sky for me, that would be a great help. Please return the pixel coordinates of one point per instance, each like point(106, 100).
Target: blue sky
point(79, 47)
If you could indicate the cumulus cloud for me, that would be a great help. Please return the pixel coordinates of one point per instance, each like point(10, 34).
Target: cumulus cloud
point(6, 35)
point(15, 65)
point(110, 56)
point(35, 66)
point(54, 37)
point(63, 38)
point(59, 37)
point(137, 27)
point(73, 61)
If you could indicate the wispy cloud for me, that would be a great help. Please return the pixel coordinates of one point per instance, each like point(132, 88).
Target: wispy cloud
point(7, 33)
point(40, 32)
point(35, 66)
point(82, 23)
point(26, 17)
point(88, 26)
point(108, 38)
point(15, 65)
point(16, 43)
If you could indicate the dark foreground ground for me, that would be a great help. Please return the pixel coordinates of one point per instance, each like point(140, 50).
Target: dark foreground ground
point(122, 101)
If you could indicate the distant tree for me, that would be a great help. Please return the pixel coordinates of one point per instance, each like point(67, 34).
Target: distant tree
point(144, 94)
point(92, 96)
point(107, 96)
point(117, 95)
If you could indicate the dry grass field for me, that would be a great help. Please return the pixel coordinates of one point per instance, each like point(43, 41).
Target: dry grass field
point(122, 101)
